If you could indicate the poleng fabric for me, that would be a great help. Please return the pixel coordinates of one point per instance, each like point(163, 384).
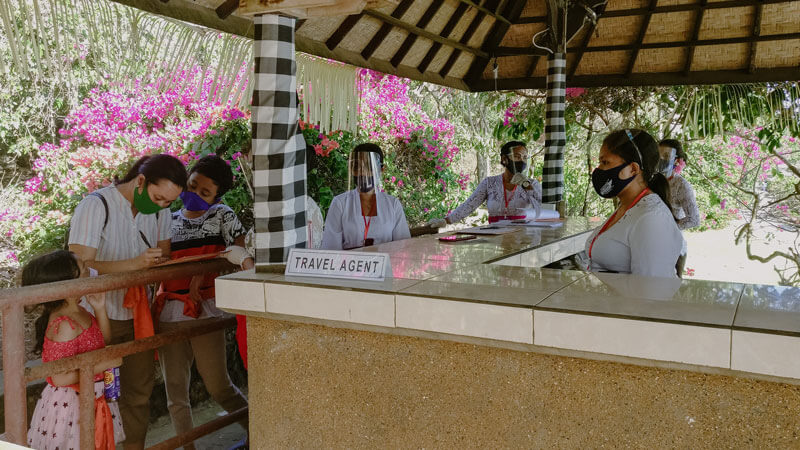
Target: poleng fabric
point(645, 241)
point(345, 226)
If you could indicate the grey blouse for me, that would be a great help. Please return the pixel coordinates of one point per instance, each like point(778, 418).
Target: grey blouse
point(683, 203)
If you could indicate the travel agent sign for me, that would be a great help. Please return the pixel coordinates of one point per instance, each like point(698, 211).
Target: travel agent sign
point(361, 266)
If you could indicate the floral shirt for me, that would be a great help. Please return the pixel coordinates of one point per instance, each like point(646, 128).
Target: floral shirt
point(683, 203)
point(490, 190)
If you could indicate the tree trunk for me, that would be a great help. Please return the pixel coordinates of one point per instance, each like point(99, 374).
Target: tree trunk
point(481, 166)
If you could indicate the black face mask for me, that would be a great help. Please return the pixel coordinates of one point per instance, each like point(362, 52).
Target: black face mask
point(516, 166)
point(364, 183)
point(607, 182)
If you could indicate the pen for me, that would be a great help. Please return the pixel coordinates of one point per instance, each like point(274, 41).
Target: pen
point(145, 239)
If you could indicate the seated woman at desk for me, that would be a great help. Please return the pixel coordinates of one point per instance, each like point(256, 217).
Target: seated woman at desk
point(364, 215)
point(641, 236)
point(500, 192)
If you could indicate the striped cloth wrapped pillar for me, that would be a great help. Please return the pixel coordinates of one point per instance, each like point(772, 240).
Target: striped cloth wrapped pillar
point(279, 172)
point(555, 129)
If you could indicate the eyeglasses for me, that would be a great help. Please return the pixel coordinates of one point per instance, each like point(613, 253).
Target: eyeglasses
point(636, 147)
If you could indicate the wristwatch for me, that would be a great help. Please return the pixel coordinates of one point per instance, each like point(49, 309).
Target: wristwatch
point(526, 184)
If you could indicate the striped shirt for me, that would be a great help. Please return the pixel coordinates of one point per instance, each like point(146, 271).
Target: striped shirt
point(121, 238)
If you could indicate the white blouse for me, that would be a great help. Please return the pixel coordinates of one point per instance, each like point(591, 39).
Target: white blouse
point(490, 190)
point(344, 226)
point(645, 241)
point(683, 202)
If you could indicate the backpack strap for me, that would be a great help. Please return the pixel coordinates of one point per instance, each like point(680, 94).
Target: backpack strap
point(105, 206)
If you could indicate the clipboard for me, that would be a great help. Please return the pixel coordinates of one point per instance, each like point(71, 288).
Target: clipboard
point(192, 258)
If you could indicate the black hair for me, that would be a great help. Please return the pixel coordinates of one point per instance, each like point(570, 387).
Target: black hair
point(369, 147)
point(156, 168)
point(505, 150)
point(634, 145)
point(311, 159)
point(54, 266)
point(215, 168)
point(672, 143)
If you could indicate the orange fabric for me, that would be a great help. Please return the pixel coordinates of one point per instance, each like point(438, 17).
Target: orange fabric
point(103, 425)
point(190, 308)
point(136, 300)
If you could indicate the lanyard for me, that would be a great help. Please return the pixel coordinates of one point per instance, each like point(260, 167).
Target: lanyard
point(366, 225)
point(607, 226)
point(506, 199)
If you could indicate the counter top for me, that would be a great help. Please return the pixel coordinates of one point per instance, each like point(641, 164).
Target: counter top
point(494, 288)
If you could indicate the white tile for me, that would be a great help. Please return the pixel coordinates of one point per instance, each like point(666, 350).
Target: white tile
point(332, 304)
point(510, 261)
point(689, 344)
point(241, 295)
point(536, 258)
point(769, 354)
point(481, 320)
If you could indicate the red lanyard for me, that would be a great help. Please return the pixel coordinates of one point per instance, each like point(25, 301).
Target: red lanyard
point(606, 225)
point(506, 199)
point(366, 225)
point(367, 222)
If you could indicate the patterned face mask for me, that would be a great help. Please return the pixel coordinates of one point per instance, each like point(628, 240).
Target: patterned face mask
point(607, 182)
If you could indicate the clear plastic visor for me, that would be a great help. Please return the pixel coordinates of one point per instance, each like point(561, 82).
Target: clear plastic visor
point(518, 157)
point(666, 162)
point(364, 172)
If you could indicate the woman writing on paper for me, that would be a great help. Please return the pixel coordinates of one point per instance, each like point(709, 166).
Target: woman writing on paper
point(506, 195)
point(364, 215)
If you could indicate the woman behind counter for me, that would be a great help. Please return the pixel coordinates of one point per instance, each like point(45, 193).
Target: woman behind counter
point(641, 236)
point(364, 215)
point(500, 192)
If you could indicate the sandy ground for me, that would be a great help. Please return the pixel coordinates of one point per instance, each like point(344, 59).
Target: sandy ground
point(714, 256)
point(202, 413)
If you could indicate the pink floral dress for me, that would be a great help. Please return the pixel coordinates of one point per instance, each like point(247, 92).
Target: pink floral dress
point(55, 421)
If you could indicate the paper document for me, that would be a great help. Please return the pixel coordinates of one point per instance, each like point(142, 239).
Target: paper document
point(488, 230)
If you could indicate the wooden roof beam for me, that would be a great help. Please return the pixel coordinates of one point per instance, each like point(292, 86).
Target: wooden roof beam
point(384, 30)
point(514, 51)
point(191, 12)
point(488, 12)
point(532, 66)
point(493, 39)
point(340, 33)
point(581, 50)
point(448, 28)
point(640, 38)
point(476, 21)
point(667, 9)
point(698, 22)
point(424, 33)
point(401, 53)
point(751, 65)
point(227, 8)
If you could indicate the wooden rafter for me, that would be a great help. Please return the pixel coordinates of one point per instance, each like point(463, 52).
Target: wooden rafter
point(448, 28)
point(341, 32)
point(640, 38)
point(698, 22)
point(513, 51)
point(401, 53)
point(476, 21)
point(227, 8)
point(493, 39)
point(581, 50)
point(667, 9)
point(751, 65)
point(488, 12)
point(384, 30)
point(532, 66)
point(424, 33)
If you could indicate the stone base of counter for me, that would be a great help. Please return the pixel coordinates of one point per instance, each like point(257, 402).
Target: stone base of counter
point(313, 386)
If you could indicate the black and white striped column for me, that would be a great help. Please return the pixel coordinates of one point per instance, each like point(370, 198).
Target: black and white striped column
point(555, 129)
point(279, 172)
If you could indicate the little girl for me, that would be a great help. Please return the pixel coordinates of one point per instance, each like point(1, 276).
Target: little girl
point(66, 329)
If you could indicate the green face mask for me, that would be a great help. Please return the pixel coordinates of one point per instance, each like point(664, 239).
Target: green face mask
point(143, 203)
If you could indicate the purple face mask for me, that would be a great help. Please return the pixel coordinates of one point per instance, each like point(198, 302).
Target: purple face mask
point(193, 202)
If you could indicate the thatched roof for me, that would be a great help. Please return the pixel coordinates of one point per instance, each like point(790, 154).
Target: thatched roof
point(455, 42)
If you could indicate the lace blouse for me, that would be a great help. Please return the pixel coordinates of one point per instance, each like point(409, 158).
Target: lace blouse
point(490, 190)
point(683, 202)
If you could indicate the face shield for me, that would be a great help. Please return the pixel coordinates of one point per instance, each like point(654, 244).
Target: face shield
point(364, 171)
point(517, 160)
point(666, 163)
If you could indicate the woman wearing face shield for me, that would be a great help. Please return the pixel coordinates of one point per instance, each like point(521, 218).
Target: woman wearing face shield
point(681, 194)
point(364, 215)
point(641, 236)
point(506, 195)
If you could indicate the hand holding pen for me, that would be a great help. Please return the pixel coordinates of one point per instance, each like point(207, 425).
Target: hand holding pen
point(151, 256)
